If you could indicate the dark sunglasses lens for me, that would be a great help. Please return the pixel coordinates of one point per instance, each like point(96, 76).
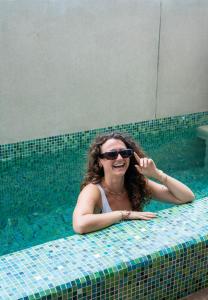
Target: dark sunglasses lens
point(126, 153)
point(111, 155)
point(114, 154)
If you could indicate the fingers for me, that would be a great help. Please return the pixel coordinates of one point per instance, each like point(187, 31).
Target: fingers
point(140, 162)
point(148, 213)
point(139, 169)
point(145, 218)
point(148, 216)
point(144, 162)
point(137, 157)
point(145, 215)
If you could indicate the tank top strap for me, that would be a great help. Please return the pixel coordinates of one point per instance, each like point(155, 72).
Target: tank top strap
point(105, 204)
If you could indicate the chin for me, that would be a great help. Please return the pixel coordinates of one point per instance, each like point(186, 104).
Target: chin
point(120, 172)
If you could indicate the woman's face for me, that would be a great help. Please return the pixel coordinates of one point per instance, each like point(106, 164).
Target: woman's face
point(117, 166)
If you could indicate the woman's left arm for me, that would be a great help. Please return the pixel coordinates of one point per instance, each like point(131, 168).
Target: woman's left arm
point(170, 189)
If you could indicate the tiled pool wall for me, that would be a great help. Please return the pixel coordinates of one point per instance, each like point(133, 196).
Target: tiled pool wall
point(81, 140)
point(165, 258)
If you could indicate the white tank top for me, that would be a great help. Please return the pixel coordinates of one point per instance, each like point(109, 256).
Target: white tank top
point(105, 205)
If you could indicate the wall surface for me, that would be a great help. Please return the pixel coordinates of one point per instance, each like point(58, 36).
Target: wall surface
point(183, 59)
point(68, 66)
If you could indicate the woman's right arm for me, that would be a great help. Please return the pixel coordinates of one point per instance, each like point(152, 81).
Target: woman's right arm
point(85, 220)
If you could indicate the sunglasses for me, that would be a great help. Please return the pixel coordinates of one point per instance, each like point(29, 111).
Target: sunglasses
point(125, 153)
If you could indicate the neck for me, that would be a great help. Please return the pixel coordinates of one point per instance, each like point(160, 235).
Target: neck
point(114, 186)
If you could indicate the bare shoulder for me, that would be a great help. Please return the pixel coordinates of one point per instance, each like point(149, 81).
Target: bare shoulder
point(90, 190)
point(89, 199)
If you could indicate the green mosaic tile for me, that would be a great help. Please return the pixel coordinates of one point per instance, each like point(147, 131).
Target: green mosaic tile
point(177, 262)
point(82, 139)
point(131, 260)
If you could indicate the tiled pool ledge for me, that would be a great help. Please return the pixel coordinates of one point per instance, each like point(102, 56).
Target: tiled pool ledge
point(165, 258)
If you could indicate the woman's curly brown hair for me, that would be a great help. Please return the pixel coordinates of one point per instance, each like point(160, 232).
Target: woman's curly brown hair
point(135, 183)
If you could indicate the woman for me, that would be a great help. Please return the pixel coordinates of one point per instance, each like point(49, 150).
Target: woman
point(117, 185)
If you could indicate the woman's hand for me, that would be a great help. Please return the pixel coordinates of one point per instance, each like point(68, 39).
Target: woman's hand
point(137, 215)
point(171, 189)
point(146, 215)
point(146, 166)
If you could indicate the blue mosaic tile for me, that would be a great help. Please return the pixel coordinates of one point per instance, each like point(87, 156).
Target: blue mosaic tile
point(75, 263)
point(130, 260)
point(82, 139)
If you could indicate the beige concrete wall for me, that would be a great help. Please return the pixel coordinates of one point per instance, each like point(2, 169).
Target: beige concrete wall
point(183, 61)
point(67, 66)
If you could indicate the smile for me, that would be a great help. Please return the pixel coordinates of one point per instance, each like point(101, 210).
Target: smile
point(119, 165)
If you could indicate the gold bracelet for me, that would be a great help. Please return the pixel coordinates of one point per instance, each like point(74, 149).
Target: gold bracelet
point(124, 215)
point(127, 214)
point(164, 177)
point(121, 219)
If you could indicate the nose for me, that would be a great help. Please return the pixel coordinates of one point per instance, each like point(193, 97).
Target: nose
point(119, 156)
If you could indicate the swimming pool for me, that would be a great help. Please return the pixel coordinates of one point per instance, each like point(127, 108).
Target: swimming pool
point(38, 192)
point(130, 260)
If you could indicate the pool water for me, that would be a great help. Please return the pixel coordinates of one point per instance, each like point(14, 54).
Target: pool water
point(38, 194)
